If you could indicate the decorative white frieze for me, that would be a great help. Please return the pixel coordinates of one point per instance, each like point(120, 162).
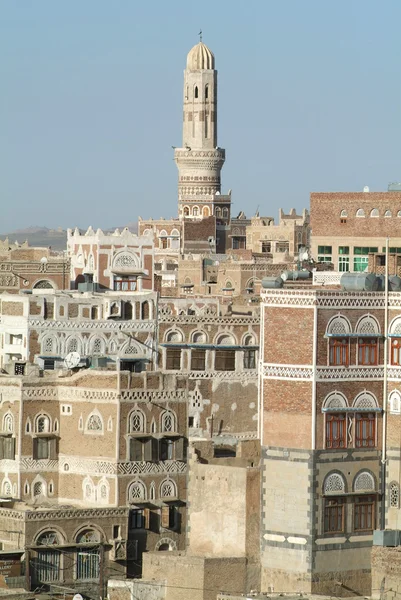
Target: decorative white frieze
point(349, 373)
point(272, 371)
point(144, 468)
point(207, 320)
point(84, 513)
point(82, 325)
point(328, 299)
point(247, 375)
point(31, 465)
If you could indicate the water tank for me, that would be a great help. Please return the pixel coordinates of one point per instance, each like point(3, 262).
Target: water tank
point(359, 282)
point(294, 275)
point(271, 283)
point(394, 283)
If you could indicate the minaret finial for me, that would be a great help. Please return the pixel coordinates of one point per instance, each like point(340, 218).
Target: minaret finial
point(200, 35)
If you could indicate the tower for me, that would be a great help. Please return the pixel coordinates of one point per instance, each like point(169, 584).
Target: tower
point(200, 160)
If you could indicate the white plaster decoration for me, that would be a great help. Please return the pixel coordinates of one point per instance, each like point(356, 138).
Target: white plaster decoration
point(207, 320)
point(364, 482)
point(110, 424)
point(249, 374)
point(296, 540)
point(81, 325)
point(174, 336)
point(326, 277)
point(168, 421)
point(168, 489)
point(9, 466)
point(275, 371)
point(8, 423)
point(85, 466)
point(30, 465)
point(365, 400)
point(6, 487)
point(335, 400)
point(394, 495)
point(94, 423)
point(42, 424)
point(350, 373)
point(126, 260)
point(339, 325)
point(137, 421)
point(151, 468)
point(367, 325)
point(88, 490)
point(172, 545)
point(152, 491)
point(328, 299)
point(136, 491)
point(47, 515)
point(334, 484)
point(394, 402)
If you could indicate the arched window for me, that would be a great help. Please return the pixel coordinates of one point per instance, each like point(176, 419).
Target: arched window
point(97, 346)
point(137, 422)
point(225, 213)
point(8, 423)
point(337, 330)
point(388, 213)
point(168, 489)
point(394, 495)
point(334, 407)
point(94, 312)
point(334, 484)
point(225, 340)
point(88, 559)
point(206, 92)
point(368, 347)
point(6, 488)
point(42, 424)
point(395, 344)
point(374, 212)
point(217, 211)
point(196, 92)
point(88, 489)
point(49, 345)
point(168, 422)
point(199, 337)
point(72, 345)
point(94, 423)
point(48, 538)
point(399, 213)
point(394, 402)
point(136, 491)
point(174, 336)
point(206, 211)
point(195, 211)
point(48, 560)
point(43, 284)
point(360, 212)
point(38, 489)
point(365, 421)
point(364, 482)
point(343, 214)
point(186, 211)
point(145, 311)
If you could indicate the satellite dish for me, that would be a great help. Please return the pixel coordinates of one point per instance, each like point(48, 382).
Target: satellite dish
point(284, 276)
point(72, 360)
point(305, 256)
point(77, 597)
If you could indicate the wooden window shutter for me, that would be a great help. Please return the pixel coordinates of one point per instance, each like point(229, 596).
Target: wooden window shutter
point(148, 449)
point(155, 449)
point(35, 448)
point(146, 518)
point(165, 517)
point(179, 449)
point(53, 448)
point(135, 450)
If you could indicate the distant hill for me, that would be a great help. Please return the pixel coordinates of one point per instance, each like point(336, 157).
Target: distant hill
point(56, 238)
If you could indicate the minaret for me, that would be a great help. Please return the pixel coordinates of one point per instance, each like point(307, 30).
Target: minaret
point(199, 161)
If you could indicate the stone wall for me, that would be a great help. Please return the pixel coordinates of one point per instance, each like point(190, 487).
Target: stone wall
point(386, 572)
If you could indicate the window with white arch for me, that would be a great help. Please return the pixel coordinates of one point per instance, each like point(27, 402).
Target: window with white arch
point(336, 420)
point(103, 492)
point(6, 488)
point(338, 330)
point(137, 422)
point(364, 482)
point(88, 489)
point(49, 345)
point(136, 491)
point(360, 213)
point(394, 402)
point(168, 422)
point(368, 341)
point(395, 342)
point(72, 345)
point(42, 424)
point(394, 493)
point(8, 423)
point(365, 425)
point(94, 423)
point(168, 489)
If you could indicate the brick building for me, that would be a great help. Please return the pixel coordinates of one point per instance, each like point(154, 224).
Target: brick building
point(23, 268)
point(347, 226)
point(325, 393)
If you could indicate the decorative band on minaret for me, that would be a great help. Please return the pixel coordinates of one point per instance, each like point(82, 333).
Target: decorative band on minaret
point(199, 161)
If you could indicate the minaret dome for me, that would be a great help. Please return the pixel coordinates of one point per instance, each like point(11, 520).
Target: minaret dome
point(200, 57)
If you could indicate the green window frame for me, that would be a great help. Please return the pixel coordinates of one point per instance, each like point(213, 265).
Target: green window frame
point(324, 249)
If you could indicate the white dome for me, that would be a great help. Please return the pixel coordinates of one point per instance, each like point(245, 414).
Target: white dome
point(200, 57)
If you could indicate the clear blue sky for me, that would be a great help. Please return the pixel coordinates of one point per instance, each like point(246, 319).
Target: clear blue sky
point(91, 92)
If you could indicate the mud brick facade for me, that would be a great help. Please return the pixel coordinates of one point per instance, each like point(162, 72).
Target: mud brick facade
point(324, 490)
point(346, 226)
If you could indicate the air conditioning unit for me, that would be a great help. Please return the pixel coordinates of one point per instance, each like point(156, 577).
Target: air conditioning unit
point(118, 550)
point(387, 537)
